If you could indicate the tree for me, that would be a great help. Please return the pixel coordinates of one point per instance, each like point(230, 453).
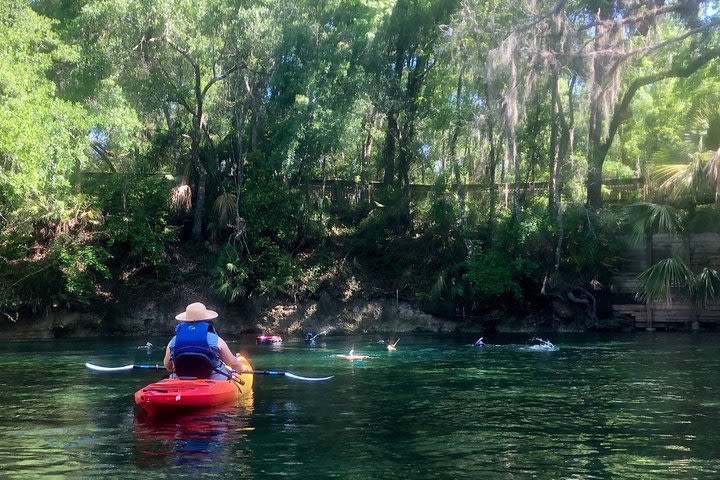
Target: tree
point(407, 52)
point(614, 50)
point(43, 139)
point(614, 46)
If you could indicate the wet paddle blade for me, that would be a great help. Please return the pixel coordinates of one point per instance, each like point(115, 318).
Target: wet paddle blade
point(307, 379)
point(98, 368)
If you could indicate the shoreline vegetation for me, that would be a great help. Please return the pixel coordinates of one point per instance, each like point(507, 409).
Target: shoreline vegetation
point(395, 164)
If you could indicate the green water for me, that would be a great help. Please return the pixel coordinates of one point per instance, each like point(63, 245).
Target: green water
point(642, 406)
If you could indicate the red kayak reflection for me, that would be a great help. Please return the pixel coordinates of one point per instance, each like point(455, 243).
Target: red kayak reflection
point(193, 438)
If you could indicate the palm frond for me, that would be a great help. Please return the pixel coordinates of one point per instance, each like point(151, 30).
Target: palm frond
point(691, 170)
point(438, 287)
point(687, 179)
point(181, 198)
point(646, 217)
point(662, 173)
point(714, 172)
point(657, 282)
point(224, 208)
point(705, 288)
point(672, 156)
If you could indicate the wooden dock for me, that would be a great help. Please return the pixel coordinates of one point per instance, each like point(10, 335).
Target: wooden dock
point(669, 317)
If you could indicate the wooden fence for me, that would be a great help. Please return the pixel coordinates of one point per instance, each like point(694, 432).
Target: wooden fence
point(677, 316)
point(697, 250)
point(353, 193)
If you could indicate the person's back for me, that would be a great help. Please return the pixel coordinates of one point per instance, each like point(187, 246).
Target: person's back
point(196, 350)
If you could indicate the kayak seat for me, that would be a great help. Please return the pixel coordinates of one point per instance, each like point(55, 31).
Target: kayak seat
point(191, 365)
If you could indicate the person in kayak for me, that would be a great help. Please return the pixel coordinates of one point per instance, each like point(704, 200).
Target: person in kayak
point(196, 350)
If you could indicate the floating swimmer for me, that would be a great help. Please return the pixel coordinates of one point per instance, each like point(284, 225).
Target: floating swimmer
point(310, 336)
point(541, 344)
point(352, 356)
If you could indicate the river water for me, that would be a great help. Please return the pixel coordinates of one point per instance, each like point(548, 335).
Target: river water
point(635, 406)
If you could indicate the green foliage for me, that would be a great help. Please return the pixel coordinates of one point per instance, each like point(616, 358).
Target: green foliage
point(437, 214)
point(82, 267)
point(99, 103)
point(590, 247)
point(271, 272)
point(43, 139)
point(231, 274)
point(272, 210)
point(705, 218)
point(495, 274)
point(136, 225)
point(278, 273)
point(427, 266)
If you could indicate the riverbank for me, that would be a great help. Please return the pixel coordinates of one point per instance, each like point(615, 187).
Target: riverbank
point(349, 300)
point(152, 317)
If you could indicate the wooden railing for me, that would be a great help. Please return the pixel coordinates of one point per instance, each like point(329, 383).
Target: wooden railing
point(349, 192)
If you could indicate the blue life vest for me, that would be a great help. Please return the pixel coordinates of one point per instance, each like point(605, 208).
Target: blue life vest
point(195, 351)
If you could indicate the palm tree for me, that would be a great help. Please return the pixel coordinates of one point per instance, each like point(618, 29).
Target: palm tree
point(691, 176)
point(691, 172)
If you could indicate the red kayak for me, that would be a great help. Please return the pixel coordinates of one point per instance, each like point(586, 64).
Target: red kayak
point(172, 396)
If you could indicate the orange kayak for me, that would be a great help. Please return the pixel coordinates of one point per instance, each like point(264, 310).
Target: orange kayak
point(173, 396)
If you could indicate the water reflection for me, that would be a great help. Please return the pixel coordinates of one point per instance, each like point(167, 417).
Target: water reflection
point(633, 407)
point(195, 440)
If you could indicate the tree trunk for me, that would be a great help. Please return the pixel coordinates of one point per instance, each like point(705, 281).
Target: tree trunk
point(492, 163)
point(366, 154)
point(196, 136)
point(199, 204)
point(552, 177)
point(563, 148)
point(452, 148)
point(391, 134)
point(241, 110)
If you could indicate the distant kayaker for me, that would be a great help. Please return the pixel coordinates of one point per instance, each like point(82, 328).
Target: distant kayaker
point(197, 350)
point(479, 343)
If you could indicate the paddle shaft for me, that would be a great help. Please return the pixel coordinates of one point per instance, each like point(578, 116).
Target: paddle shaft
point(272, 373)
point(162, 367)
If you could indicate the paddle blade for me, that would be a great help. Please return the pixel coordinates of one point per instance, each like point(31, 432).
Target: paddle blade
point(98, 368)
point(307, 379)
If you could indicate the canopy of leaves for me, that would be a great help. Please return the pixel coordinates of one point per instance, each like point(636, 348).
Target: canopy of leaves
point(450, 147)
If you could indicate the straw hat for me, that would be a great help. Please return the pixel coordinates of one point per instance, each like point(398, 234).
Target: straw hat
point(196, 312)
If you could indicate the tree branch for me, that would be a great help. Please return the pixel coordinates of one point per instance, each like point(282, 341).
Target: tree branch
point(103, 156)
point(652, 13)
point(651, 48)
point(179, 99)
point(218, 78)
point(676, 72)
point(182, 51)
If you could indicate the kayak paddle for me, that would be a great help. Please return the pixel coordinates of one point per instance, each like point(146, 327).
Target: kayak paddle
point(271, 373)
